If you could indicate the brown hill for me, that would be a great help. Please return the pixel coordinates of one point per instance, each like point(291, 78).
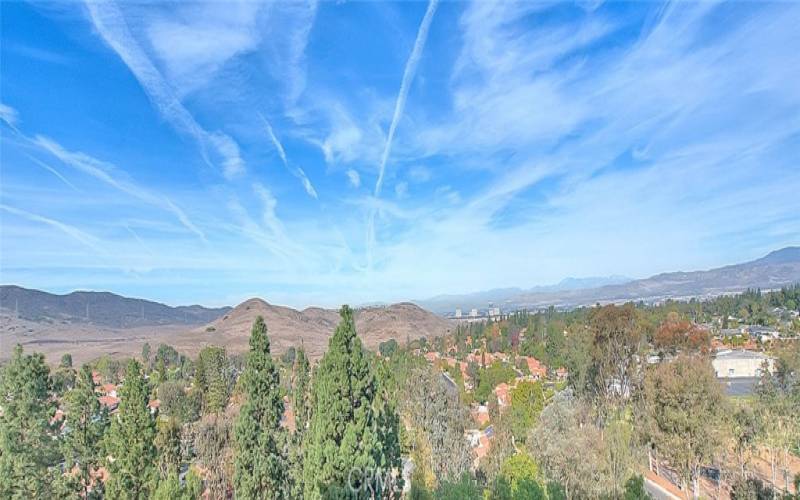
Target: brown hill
point(313, 326)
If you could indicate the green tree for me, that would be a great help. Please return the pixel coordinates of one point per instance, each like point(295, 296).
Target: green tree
point(634, 489)
point(300, 391)
point(130, 440)
point(527, 402)
point(66, 361)
point(300, 396)
point(349, 428)
point(86, 422)
point(683, 406)
point(168, 447)
point(388, 348)
point(466, 488)
point(27, 452)
point(213, 378)
point(170, 488)
point(146, 356)
point(261, 462)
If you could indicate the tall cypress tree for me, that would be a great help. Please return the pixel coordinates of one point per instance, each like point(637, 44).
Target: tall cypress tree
point(27, 453)
point(301, 412)
point(86, 422)
point(300, 394)
point(260, 463)
point(131, 441)
point(350, 439)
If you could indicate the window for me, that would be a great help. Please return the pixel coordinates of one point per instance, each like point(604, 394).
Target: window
point(730, 372)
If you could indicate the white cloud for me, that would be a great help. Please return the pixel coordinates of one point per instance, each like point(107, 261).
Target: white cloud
point(419, 173)
point(112, 26)
point(105, 172)
point(194, 42)
point(294, 170)
point(8, 115)
point(401, 190)
point(353, 178)
point(72, 231)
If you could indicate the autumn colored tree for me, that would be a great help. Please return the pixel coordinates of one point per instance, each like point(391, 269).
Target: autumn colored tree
point(676, 334)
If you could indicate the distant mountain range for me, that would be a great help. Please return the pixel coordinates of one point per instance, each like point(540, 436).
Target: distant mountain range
point(777, 269)
point(89, 324)
point(500, 296)
point(100, 308)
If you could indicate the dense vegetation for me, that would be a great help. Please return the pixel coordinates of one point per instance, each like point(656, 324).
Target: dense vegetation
point(358, 419)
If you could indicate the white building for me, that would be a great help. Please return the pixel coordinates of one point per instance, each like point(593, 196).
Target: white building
point(458, 312)
point(473, 313)
point(739, 364)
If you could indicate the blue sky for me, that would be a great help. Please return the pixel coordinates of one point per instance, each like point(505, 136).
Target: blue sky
point(321, 153)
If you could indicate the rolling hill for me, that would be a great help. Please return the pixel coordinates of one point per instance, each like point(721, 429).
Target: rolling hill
point(119, 326)
point(99, 308)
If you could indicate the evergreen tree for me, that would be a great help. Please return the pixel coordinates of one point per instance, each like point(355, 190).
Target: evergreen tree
point(348, 430)
point(131, 440)
point(27, 452)
point(212, 377)
point(301, 413)
point(86, 422)
point(302, 380)
point(260, 463)
point(168, 446)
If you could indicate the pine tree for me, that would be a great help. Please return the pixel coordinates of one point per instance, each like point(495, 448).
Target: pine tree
point(27, 453)
point(301, 413)
point(349, 430)
point(86, 422)
point(260, 463)
point(131, 440)
point(168, 447)
point(300, 390)
point(212, 377)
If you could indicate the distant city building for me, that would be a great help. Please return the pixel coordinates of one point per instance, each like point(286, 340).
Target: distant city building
point(473, 313)
point(738, 364)
point(458, 312)
point(494, 311)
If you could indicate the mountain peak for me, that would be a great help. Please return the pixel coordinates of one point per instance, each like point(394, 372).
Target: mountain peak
point(783, 255)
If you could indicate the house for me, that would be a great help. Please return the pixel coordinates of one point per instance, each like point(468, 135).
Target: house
point(562, 374)
point(481, 415)
point(107, 390)
point(110, 402)
point(96, 377)
point(763, 333)
point(538, 369)
point(431, 356)
point(154, 405)
point(503, 393)
point(741, 363)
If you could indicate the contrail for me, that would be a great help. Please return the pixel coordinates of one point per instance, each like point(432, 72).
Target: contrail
point(295, 171)
point(399, 106)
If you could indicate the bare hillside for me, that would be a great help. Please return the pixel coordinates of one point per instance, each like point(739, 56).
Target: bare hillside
point(310, 327)
point(313, 326)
